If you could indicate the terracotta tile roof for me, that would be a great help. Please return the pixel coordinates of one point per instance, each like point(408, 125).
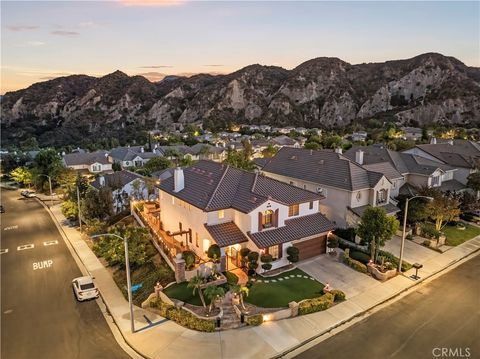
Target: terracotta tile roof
point(226, 234)
point(294, 229)
point(212, 186)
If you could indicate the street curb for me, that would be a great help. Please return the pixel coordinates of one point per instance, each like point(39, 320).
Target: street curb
point(78, 259)
point(345, 321)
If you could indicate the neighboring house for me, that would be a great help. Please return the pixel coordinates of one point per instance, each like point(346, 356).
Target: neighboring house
point(348, 187)
point(125, 185)
point(407, 172)
point(203, 151)
point(211, 203)
point(134, 156)
point(412, 133)
point(285, 141)
point(463, 155)
point(359, 136)
point(258, 145)
point(88, 162)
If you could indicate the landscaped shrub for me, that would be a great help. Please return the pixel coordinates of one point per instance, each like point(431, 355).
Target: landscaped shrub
point(429, 231)
point(332, 242)
point(244, 253)
point(189, 258)
point(409, 237)
point(338, 295)
point(313, 305)
point(346, 233)
point(352, 263)
point(232, 278)
point(256, 319)
point(293, 253)
point(252, 261)
point(214, 252)
point(266, 259)
point(182, 317)
point(394, 260)
point(360, 256)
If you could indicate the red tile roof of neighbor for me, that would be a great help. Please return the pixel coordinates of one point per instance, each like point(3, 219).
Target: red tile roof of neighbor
point(213, 186)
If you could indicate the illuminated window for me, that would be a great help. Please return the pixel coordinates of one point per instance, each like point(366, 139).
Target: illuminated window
point(221, 214)
point(293, 210)
point(275, 251)
point(267, 219)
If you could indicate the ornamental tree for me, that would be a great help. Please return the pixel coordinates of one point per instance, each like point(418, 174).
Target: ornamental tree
point(376, 228)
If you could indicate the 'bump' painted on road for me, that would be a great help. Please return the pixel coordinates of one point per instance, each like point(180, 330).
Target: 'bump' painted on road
point(43, 264)
point(25, 246)
point(10, 228)
point(50, 243)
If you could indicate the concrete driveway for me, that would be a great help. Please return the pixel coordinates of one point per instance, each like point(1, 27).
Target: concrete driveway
point(326, 269)
point(412, 252)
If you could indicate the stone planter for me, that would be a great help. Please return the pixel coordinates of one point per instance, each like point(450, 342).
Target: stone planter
point(382, 276)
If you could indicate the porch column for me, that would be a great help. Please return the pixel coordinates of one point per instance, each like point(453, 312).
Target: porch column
point(223, 260)
point(179, 269)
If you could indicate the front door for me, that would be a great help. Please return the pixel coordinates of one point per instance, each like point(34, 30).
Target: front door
point(235, 257)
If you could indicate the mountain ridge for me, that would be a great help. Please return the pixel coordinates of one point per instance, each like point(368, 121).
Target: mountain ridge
point(324, 92)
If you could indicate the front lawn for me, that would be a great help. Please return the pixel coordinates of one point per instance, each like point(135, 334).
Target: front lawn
point(457, 236)
point(181, 292)
point(273, 292)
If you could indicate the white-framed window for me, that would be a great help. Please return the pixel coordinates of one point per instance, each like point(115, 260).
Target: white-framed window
point(382, 196)
point(221, 214)
point(96, 168)
point(435, 181)
point(310, 205)
point(322, 191)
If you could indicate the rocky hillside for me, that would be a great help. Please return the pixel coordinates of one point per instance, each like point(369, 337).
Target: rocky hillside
point(323, 92)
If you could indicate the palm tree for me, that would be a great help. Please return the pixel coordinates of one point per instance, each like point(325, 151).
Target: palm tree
point(242, 291)
point(196, 283)
point(212, 293)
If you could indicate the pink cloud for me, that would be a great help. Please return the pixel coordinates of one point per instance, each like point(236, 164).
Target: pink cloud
point(65, 33)
point(21, 27)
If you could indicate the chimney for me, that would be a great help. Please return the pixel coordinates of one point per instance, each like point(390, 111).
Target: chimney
point(359, 157)
point(178, 180)
point(142, 149)
point(101, 180)
point(338, 150)
point(433, 141)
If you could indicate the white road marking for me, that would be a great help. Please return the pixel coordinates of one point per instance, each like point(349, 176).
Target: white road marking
point(43, 264)
point(3, 251)
point(10, 228)
point(50, 243)
point(25, 246)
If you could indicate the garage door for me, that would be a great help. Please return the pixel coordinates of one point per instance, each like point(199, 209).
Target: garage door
point(312, 247)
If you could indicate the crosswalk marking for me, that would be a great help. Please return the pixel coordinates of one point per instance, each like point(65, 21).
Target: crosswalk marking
point(3, 251)
point(50, 243)
point(25, 246)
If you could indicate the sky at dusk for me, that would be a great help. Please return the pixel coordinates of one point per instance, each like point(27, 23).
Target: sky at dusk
point(41, 40)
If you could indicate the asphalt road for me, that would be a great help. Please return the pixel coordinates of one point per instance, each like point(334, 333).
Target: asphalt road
point(40, 317)
point(444, 313)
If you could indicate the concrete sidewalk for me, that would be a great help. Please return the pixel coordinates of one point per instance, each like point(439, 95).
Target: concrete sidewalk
point(165, 339)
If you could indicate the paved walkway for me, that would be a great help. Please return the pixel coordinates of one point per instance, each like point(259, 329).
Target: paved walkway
point(412, 252)
point(166, 339)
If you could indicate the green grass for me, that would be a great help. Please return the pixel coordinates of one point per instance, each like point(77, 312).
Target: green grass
point(280, 293)
point(181, 292)
point(456, 236)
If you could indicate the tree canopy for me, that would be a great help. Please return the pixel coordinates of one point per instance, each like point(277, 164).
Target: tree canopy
point(376, 227)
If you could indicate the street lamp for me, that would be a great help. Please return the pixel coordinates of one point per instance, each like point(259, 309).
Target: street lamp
point(50, 184)
point(405, 228)
point(127, 267)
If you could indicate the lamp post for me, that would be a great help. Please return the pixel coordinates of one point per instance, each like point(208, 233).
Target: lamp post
point(402, 245)
point(127, 268)
point(50, 184)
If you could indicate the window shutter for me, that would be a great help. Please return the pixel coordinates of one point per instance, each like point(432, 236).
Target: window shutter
point(275, 218)
point(280, 254)
point(259, 221)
